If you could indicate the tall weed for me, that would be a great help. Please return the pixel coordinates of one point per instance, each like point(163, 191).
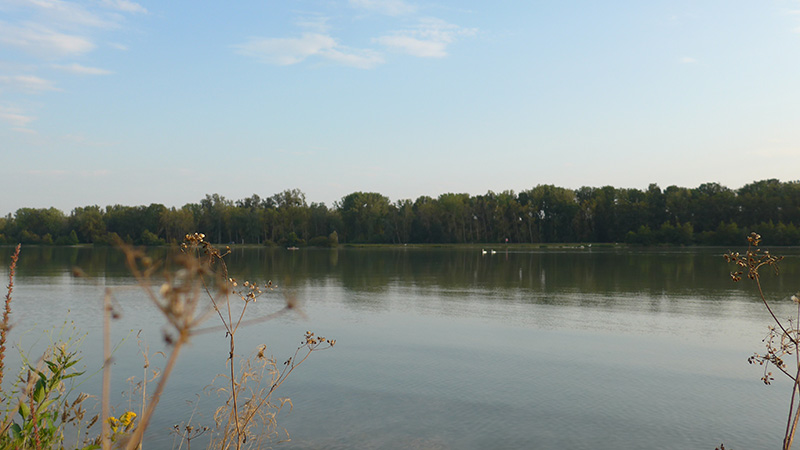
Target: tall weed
point(189, 289)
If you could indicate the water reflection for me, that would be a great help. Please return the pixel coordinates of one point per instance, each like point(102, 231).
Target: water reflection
point(649, 272)
point(449, 348)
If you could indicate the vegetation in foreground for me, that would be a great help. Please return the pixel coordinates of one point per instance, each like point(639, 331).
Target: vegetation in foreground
point(783, 339)
point(41, 409)
point(709, 214)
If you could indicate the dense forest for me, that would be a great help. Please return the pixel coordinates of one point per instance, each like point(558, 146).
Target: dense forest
point(710, 214)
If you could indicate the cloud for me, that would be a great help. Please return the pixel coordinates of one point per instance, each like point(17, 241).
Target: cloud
point(82, 70)
point(414, 46)
point(58, 28)
point(388, 7)
point(687, 60)
point(14, 117)
point(429, 39)
point(317, 24)
point(43, 41)
point(125, 6)
point(28, 83)
point(68, 13)
point(361, 59)
point(288, 51)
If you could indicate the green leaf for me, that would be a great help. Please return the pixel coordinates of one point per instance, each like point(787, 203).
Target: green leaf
point(53, 367)
point(76, 374)
point(24, 410)
point(16, 431)
point(39, 392)
point(71, 363)
point(46, 404)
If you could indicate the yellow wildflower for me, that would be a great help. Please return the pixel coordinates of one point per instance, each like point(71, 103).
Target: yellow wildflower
point(127, 419)
point(114, 424)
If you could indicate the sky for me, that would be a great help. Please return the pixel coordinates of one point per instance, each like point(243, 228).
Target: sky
point(107, 102)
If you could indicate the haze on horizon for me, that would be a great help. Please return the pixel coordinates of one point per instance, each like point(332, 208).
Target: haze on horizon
point(138, 102)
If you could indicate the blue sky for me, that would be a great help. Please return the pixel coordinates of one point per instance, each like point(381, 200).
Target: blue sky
point(121, 102)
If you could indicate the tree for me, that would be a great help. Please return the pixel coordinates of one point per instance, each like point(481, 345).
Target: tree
point(556, 209)
point(712, 203)
point(177, 223)
point(39, 222)
point(215, 217)
point(366, 216)
point(89, 223)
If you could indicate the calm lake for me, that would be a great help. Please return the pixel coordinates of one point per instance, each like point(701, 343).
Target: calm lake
point(453, 349)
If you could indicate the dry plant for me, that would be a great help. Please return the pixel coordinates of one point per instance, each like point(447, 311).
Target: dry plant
point(188, 290)
point(253, 422)
point(783, 337)
point(198, 287)
point(4, 326)
point(189, 432)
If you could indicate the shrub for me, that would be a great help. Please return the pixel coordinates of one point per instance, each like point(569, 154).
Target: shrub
point(319, 241)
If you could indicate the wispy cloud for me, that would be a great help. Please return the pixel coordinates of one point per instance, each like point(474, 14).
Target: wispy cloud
point(361, 59)
point(314, 23)
point(15, 117)
point(82, 70)
point(414, 46)
point(687, 60)
point(288, 51)
point(388, 7)
point(42, 41)
point(68, 13)
point(27, 83)
point(125, 6)
point(429, 39)
point(38, 34)
point(59, 28)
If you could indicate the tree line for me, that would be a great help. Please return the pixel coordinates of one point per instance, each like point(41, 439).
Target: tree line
point(710, 214)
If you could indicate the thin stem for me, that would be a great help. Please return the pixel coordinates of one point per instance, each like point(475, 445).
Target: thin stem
point(766, 304)
point(136, 439)
point(105, 426)
point(234, 394)
point(281, 378)
point(7, 311)
point(34, 418)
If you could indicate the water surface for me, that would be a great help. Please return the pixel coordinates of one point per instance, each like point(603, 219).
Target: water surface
point(452, 349)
